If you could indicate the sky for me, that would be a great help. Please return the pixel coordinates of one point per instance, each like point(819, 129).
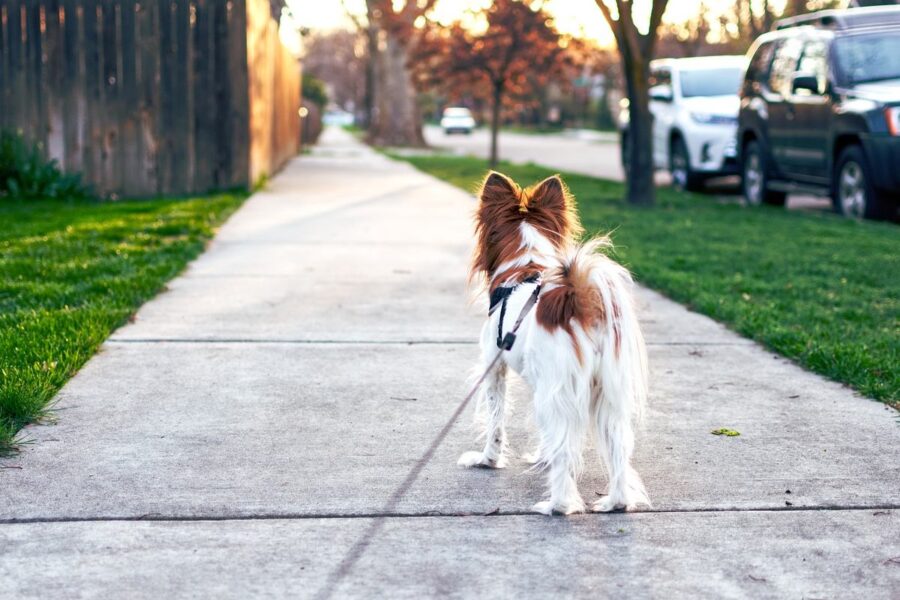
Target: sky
point(577, 17)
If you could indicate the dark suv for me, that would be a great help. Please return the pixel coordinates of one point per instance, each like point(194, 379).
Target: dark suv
point(820, 111)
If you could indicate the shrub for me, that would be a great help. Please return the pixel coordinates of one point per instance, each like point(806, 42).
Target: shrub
point(314, 90)
point(26, 174)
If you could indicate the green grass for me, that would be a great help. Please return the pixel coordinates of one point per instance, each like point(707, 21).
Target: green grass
point(816, 288)
point(71, 272)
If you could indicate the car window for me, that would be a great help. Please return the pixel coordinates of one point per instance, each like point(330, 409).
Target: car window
point(815, 62)
point(869, 57)
point(725, 81)
point(783, 66)
point(660, 77)
point(758, 71)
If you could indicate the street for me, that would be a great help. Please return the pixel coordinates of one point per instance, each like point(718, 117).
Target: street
point(582, 151)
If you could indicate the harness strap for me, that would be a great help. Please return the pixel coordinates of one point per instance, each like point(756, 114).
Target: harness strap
point(506, 342)
point(500, 294)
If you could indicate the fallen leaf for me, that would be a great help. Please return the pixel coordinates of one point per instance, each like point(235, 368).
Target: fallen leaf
point(725, 431)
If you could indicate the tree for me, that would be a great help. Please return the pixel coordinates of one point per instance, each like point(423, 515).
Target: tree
point(635, 52)
point(339, 59)
point(517, 52)
point(392, 32)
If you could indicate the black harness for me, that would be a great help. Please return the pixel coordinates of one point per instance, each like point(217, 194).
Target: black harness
point(499, 298)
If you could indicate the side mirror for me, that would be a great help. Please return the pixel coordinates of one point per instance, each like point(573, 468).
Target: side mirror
point(661, 93)
point(806, 82)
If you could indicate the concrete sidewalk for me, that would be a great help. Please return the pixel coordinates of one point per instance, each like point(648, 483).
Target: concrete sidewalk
point(280, 422)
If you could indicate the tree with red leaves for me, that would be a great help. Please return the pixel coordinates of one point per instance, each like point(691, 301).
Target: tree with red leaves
point(635, 52)
point(516, 53)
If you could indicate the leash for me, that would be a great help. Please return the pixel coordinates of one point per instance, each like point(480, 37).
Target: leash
point(506, 343)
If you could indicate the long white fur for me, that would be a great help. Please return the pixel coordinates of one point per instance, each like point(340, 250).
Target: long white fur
point(601, 396)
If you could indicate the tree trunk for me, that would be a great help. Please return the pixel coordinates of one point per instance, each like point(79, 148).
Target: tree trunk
point(369, 93)
point(495, 121)
point(639, 179)
point(395, 119)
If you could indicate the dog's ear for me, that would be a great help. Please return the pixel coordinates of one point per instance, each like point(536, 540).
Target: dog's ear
point(550, 194)
point(498, 188)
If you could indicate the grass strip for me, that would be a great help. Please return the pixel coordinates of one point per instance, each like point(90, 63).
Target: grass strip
point(73, 271)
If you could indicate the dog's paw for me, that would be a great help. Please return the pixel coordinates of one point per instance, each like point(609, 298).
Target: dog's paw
point(477, 459)
point(607, 504)
point(548, 507)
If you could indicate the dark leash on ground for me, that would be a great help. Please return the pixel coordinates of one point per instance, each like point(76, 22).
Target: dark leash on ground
point(506, 343)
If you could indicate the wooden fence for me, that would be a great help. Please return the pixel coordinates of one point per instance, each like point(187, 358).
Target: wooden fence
point(150, 97)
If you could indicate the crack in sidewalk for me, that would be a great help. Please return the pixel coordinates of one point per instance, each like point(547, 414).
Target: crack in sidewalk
point(430, 514)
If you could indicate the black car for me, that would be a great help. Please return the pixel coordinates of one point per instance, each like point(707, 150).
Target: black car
point(820, 111)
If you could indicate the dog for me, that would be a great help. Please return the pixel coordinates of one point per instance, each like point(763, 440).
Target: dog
point(580, 348)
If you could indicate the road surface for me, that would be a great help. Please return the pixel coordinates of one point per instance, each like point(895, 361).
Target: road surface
point(587, 152)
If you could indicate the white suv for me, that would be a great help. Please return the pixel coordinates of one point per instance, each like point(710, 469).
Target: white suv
point(694, 103)
point(457, 118)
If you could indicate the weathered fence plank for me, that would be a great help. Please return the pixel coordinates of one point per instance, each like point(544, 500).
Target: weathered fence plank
point(150, 97)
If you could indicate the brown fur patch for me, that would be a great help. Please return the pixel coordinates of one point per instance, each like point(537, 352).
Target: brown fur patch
point(504, 206)
point(571, 298)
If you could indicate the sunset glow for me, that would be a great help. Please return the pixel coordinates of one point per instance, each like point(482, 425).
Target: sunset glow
point(580, 18)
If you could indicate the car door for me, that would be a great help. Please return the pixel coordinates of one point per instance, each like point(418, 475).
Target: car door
point(781, 114)
point(662, 111)
point(807, 151)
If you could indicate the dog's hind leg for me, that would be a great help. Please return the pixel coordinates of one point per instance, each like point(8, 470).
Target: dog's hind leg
point(561, 421)
point(492, 410)
point(615, 443)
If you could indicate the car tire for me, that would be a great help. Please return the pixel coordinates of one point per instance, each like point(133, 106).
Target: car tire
point(755, 178)
point(683, 177)
point(852, 192)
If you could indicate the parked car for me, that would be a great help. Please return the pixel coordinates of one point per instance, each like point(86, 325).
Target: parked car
point(694, 103)
point(820, 111)
point(457, 119)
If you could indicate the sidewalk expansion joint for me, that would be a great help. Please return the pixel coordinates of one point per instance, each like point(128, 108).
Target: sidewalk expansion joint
point(176, 340)
point(284, 341)
point(159, 517)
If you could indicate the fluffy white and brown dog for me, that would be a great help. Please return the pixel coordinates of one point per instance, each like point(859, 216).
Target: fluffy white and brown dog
point(580, 349)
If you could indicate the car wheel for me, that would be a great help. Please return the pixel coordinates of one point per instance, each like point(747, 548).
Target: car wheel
point(853, 194)
point(683, 177)
point(755, 179)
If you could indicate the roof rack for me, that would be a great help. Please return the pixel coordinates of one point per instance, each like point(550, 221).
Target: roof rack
point(826, 19)
point(843, 19)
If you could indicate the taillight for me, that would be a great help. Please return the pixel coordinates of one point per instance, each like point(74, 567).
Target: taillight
point(892, 116)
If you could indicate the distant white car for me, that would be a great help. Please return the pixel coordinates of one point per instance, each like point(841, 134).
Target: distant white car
point(457, 119)
point(694, 103)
